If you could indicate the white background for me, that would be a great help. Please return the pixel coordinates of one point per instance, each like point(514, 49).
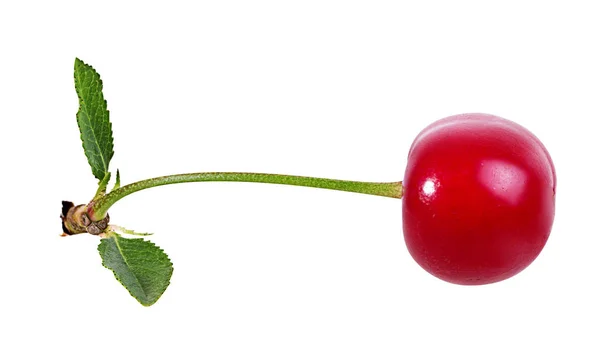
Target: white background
point(318, 88)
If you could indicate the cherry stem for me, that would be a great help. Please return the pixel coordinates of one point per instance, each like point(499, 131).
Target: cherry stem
point(97, 209)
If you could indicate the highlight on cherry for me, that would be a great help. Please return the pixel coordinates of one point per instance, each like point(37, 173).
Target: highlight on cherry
point(478, 198)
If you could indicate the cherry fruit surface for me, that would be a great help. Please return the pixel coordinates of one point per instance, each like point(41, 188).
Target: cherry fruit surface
point(478, 201)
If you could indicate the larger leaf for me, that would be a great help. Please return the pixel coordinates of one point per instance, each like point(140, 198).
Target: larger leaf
point(142, 267)
point(92, 118)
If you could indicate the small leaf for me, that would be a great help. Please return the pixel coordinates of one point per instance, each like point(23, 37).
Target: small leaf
point(123, 230)
point(117, 181)
point(93, 119)
point(142, 267)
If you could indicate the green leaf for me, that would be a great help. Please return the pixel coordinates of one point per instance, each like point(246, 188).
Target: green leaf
point(93, 119)
point(123, 230)
point(142, 267)
point(117, 181)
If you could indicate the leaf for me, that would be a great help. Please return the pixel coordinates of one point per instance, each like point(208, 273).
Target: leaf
point(123, 230)
point(142, 267)
point(117, 181)
point(93, 119)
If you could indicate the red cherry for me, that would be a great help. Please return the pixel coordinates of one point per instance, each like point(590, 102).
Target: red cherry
point(478, 201)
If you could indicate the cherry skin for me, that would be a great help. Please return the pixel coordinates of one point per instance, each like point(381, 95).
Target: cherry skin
point(478, 201)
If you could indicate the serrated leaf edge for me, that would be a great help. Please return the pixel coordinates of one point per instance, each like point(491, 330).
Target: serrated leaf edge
point(116, 237)
point(79, 62)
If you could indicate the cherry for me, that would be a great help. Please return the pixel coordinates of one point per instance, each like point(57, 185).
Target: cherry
point(478, 200)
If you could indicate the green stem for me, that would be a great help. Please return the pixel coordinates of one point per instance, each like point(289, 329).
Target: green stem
point(98, 208)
